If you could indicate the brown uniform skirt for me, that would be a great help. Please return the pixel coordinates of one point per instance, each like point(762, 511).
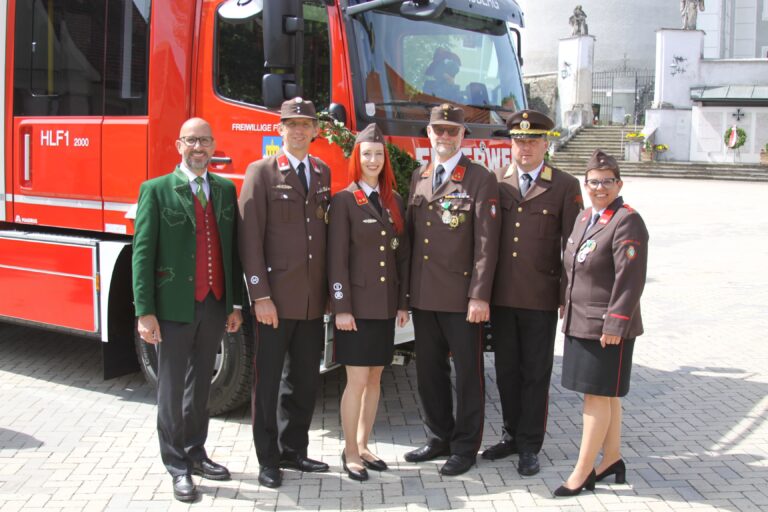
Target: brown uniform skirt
point(372, 344)
point(590, 368)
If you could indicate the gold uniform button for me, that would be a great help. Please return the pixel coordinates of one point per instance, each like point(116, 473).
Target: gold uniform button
point(429, 223)
point(517, 224)
point(519, 208)
point(382, 248)
point(430, 207)
point(383, 279)
point(515, 239)
point(466, 273)
point(426, 257)
point(514, 255)
point(426, 240)
point(545, 212)
point(381, 263)
point(383, 233)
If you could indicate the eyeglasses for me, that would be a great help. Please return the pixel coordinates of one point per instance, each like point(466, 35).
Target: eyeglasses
point(192, 141)
point(607, 183)
point(440, 129)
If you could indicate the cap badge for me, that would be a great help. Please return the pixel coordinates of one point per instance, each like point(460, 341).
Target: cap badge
point(525, 115)
point(298, 99)
point(525, 125)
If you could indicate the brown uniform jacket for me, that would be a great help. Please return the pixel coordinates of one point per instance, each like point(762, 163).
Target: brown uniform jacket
point(282, 234)
point(454, 237)
point(605, 271)
point(367, 260)
point(534, 230)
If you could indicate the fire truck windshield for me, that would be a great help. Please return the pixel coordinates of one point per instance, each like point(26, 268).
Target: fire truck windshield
point(406, 67)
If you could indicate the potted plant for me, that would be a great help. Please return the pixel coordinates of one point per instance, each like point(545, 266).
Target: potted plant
point(647, 154)
point(659, 149)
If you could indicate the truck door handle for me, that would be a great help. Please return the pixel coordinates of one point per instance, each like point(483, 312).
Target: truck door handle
point(221, 160)
point(27, 159)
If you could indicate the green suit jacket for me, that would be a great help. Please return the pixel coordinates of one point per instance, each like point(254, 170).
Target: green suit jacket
point(164, 246)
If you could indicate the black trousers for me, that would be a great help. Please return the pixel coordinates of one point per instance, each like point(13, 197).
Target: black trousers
point(437, 335)
point(285, 381)
point(524, 341)
point(185, 361)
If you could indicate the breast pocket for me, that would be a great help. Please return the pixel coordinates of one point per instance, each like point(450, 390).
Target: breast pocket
point(548, 215)
point(287, 205)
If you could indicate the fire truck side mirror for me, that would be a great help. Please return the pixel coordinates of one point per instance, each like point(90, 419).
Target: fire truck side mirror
point(278, 87)
point(283, 50)
point(422, 9)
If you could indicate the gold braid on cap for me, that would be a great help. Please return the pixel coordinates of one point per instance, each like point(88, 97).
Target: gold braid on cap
point(532, 131)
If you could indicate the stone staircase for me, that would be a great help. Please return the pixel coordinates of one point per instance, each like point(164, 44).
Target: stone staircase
point(573, 155)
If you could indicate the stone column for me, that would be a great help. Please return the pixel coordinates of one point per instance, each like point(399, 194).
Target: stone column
point(575, 61)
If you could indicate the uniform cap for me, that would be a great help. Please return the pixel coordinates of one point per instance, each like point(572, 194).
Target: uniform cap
point(447, 114)
point(370, 133)
point(602, 160)
point(529, 124)
point(297, 108)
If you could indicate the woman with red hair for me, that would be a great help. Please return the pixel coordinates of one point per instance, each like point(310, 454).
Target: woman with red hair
point(368, 258)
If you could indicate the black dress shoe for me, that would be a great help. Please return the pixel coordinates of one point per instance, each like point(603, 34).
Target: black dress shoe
point(184, 488)
point(589, 484)
point(301, 463)
point(270, 477)
point(528, 464)
point(500, 450)
point(375, 464)
point(210, 470)
point(617, 468)
point(360, 476)
point(427, 452)
point(457, 465)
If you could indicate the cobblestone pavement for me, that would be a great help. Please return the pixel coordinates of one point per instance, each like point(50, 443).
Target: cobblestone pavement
point(695, 424)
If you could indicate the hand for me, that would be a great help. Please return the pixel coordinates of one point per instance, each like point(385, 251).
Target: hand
point(149, 329)
point(345, 322)
point(402, 317)
point(234, 320)
point(478, 311)
point(265, 312)
point(609, 339)
point(562, 311)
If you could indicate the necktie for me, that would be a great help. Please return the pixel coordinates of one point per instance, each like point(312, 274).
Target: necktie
point(594, 219)
point(200, 192)
point(526, 183)
point(439, 172)
point(303, 177)
point(374, 199)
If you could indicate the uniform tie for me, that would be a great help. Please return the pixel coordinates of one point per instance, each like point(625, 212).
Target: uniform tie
point(200, 192)
point(593, 221)
point(374, 199)
point(303, 177)
point(439, 172)
point(526, 183)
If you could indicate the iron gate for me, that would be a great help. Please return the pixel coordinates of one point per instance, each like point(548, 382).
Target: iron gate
point(620, 92)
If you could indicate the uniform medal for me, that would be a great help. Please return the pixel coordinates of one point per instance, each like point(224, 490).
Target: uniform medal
point(586, 248)
point(394, 243)
point(446, 217)
point(319, 213)
point(454, 221)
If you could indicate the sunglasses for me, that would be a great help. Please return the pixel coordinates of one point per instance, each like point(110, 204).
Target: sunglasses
point(440, 129)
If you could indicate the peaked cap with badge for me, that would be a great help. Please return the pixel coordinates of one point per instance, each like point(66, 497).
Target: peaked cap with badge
point(370, 133)
point(529, 124)
point(297, 108)
point(447, 114)
point(602, 160)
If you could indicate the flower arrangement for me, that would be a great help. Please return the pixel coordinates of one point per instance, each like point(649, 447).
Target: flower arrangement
point(648, 146)
point(634, 137)
point(336, 133)
point(734, 137)
point(660, 148)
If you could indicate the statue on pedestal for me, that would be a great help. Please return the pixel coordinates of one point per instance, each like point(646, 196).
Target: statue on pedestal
point(689, 10)
point(578, 21)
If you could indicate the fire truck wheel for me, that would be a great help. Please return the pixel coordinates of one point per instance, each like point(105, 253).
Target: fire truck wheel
point(231, 381)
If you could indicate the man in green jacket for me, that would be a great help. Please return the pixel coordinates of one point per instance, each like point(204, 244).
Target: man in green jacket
point(187, 287)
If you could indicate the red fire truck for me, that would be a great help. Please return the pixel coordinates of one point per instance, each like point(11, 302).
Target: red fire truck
point(95, 92)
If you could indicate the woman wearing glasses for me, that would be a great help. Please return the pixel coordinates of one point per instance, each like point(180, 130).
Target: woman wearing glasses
point(605, 262)
point(368, 273)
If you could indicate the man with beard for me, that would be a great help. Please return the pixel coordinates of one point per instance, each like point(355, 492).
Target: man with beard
point(453, 222)
point(187, 286)
point(283, 207)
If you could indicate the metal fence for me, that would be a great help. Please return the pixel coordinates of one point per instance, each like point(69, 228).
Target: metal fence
point(622, 92)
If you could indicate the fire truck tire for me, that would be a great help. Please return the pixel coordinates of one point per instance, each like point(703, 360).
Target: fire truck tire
point(231, 382)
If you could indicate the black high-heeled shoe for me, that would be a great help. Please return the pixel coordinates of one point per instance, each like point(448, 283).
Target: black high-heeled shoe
point(360, 476)
point(589, 484)
point(617, 468)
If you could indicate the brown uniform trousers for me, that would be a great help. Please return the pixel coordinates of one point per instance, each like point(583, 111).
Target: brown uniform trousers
point(526, 295)
point(454, 234)
point(603, 289)
point(282, 236)
point(367, 260)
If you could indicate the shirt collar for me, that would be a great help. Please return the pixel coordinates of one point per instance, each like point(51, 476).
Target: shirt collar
point(367, 188)
point(190, 175)
point(451, 163)
point(295, 161)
